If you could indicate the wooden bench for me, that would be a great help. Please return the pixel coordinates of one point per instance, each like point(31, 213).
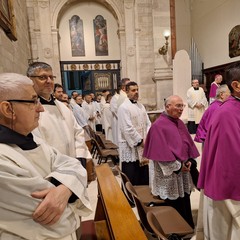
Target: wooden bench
point(114, 218)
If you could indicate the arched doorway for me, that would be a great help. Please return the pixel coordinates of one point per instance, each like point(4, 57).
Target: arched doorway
point(87, 69)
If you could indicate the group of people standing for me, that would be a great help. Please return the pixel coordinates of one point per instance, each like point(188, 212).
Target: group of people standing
point(159, 154)
point(43, 184)
point(217, 129)
point(43, 151)
point(171, 153)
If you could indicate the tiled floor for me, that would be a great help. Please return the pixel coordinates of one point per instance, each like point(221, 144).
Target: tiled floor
point(92, 192)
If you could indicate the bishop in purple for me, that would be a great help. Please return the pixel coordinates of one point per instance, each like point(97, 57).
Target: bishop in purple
point(220, 167)
point(172, 151)
point(221, 96)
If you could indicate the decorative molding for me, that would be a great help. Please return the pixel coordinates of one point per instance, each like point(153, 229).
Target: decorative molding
point(162, 74)
point(131, 51)
point(47, 52)
point(43, 4)
point(129, 4)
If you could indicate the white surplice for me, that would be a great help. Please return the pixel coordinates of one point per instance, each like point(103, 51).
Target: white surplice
point(91, 113)
point(194, 97)
point(25, 171)
point(122, 97)
point(133, 123)
point(107, 116)
point(97, 107)
point(114, 108)
point(59, 128)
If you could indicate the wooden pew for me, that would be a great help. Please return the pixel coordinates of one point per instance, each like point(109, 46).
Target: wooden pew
point(114, 218)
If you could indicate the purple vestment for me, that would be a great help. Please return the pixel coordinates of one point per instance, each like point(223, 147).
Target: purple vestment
point(205, 121)
point(213, 90)
point(220, 165)
point(168, 140)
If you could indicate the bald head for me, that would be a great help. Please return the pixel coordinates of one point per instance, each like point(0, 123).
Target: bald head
point(172, 99)
point(174, 106)
point(12, 85)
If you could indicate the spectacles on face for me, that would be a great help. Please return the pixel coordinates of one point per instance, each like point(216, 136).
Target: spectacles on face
point(36, 101)
point(44, 77)
point(180, 106)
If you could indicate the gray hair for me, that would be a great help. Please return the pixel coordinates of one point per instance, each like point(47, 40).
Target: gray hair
point(221, 89)
point(11, 85)
point(35, 66)
point(171, 98)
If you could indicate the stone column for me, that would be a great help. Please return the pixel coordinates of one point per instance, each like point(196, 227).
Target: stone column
point(131, 68)
point(45, 44)
point(162, 63)
point(122, 38)
point(56, 56)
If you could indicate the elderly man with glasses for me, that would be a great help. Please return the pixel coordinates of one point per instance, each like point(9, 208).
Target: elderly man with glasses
point(57, 124)
point(172, 150)
point(43, 192)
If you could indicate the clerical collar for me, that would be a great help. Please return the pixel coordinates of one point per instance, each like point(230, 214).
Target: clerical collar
point(47, 102)
point(8, 136)
point(175, 120)
point(196, 88)
point(133, 101)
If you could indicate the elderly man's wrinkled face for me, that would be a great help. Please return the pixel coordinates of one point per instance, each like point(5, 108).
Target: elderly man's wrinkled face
point(132, 92)
point(26, 114)
point(225, 95)
point(175, 108)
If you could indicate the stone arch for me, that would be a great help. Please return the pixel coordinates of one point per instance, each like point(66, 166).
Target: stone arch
point(117, 10)
point(110, 4)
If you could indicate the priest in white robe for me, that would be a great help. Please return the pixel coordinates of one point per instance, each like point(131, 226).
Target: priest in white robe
point(117, 99)
point(108, 116)
point(57, 124)
point(114, 123)
point(134, 124)
point(43, 192)
point(197, 103)
point(90, 110)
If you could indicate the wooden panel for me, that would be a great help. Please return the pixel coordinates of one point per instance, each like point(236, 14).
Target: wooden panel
point(102, 232)
point(121, 220)
point(211, 72)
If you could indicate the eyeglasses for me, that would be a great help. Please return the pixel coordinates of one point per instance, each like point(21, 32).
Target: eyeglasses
point(180, 106)
point(44, 77)
point(36, 101)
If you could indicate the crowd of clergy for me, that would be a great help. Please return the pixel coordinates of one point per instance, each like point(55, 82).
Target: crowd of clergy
point(43, 134)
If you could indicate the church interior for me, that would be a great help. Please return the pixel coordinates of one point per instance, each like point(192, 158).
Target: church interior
point(201, 40)
point(92, 44)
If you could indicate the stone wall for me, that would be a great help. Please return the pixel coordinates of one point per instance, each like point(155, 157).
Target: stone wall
point(15, 54)
point(145, 58)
